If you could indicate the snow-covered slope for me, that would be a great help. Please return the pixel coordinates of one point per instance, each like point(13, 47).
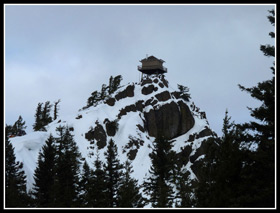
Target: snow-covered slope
point(141, 110)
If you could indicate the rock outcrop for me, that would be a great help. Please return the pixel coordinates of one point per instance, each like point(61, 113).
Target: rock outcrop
point(97, 135)
point(128, 92)
point(133, 116)
point(170, 120)
point(168, 115)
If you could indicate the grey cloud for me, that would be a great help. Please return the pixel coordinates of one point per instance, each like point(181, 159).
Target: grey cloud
point(67, 52)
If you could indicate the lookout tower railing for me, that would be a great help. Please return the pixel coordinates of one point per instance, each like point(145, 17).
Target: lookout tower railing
point(146, 68)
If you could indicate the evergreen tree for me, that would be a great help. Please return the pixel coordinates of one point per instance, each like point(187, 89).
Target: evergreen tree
point(233, 175)
point(259, 166)
point(86, 186)
point(184, 92)
point(93, 99)
point(114, 83)
point(68, 162)
point(113, 170)
point(46, 117)
point(129, 192)
point(38, 126)
point(19, 127)
point(15, 179)
point(104, 92)
point(220, 171)
point(265, 93)
point(158, 184)
point(8, 131)
point(110, 87)
point(42, 116)
point(55, 113)
point(99, 193)
point(44, 175)
point(184, 189)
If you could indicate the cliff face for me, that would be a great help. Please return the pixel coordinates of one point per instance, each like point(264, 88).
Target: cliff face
point(172, 119)
point(168, 114)
point(132, 116)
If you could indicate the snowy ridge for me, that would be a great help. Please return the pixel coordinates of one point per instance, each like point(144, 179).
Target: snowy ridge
point(27, 147)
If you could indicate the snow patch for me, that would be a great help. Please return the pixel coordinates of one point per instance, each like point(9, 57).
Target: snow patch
point(27, 147)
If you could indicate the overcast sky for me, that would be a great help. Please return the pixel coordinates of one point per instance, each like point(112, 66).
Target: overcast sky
point(67, 51)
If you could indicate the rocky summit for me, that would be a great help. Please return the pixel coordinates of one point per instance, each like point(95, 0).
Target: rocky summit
point(133, 116)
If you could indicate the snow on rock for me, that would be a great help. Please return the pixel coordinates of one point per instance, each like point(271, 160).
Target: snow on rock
point(26, 150)
point(140, 116)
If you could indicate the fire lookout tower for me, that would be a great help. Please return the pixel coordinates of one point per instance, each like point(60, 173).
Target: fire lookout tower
point(152, 65)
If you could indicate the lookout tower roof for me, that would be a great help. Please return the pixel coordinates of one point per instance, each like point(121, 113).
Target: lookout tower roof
point(152, 65)
point(152, 58)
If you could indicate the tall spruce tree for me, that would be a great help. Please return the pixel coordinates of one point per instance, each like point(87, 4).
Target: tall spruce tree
point(114, 83)
point(113, 170)
point(19, 127)
point(46, 114)
point(44, 175)
point(158, 186)
point(184, 92)
point(129, 192)
point(220, 171)
point(15, 179)
point(93, 99)
point(184, 189)
point(68, 160)
point(38, 125)
point(42, 116)
point(260, 165)
point(99, 193)
point(86, 186)
point(233, 174)
point(106, 91)
point(56, 108)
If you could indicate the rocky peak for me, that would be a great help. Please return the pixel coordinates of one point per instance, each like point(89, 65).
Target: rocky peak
point(133, 116)
point(162, 111)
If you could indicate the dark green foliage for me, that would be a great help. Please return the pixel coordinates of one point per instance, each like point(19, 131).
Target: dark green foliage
point(114, 83)
point(129, 192)
point(113, 170)
point(44, 175)
point(8, 131)
point(42, 116)
point(38, 118)
point(93, 184)
point(107, 185)
point(103, 92)
point(93, 99)
point(259, 167)
point(158, 185)
point(19, 127)
point(267, 49)
point(232, 174)
point(68, 162)
point(245, 177)
point(57, 181)
point(86, 185)
point(184, 92)
point(106, 91)
point(184, 190)
point(181, 180)
point(55, 112)
point(15, 179)
point(99, 193)
point(46, 117)
point(220, 171)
